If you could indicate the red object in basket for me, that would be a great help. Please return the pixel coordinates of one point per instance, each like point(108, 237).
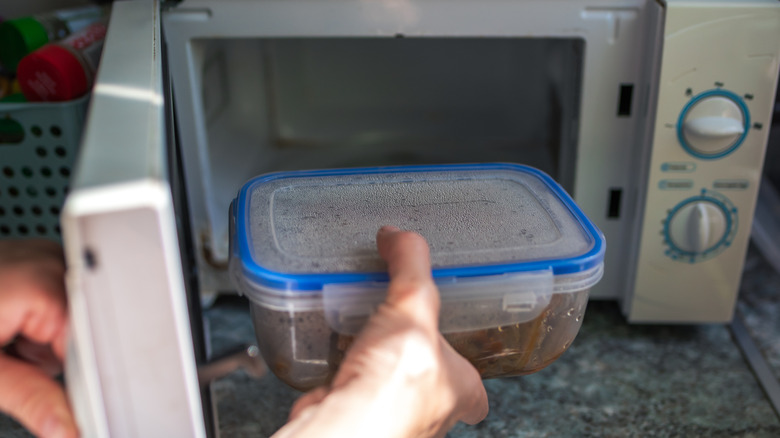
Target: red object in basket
point(63, 70)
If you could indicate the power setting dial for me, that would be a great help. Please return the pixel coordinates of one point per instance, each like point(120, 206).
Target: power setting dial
point(700, 227)
point(713, 124)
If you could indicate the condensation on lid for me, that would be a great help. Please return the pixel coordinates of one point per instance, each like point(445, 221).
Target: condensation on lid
point(320, 222)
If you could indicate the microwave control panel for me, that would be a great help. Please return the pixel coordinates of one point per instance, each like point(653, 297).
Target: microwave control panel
point(715, 94)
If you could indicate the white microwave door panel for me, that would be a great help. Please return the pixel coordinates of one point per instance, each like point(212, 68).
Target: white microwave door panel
point(130, 367)
point(228, 115)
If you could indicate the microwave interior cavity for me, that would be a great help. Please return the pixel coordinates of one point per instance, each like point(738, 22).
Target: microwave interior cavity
point(271, 104)
point(295, 103)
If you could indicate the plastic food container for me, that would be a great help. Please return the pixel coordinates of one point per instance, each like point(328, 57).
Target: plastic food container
point(512, 254)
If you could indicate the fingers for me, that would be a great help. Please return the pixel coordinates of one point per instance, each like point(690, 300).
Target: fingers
point(32, 300)
point(311, 398)
point(476, 408)
point(471, 395)
point(34, 310)
point(35, 400)
point(59, 341)
point(40, 355)
point(411, 288)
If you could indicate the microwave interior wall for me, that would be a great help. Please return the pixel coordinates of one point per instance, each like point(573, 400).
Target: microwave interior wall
point(254, 101)
point(297, 103)
point(285, 104)
point(341, 102)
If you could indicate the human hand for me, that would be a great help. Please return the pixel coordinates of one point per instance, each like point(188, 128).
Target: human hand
point(400, 378)
point(33, 323)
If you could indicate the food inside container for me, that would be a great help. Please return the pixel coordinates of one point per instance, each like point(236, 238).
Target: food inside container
point(512, 255)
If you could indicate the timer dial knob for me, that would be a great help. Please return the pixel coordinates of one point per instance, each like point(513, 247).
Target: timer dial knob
point(700, 227)
point(713, 124)
point(697, 226)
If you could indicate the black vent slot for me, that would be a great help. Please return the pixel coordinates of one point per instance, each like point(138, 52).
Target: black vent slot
point(624, 103)
point(613, 211)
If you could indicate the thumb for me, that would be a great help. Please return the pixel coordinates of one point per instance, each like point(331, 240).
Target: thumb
point(411, 289)
point(35, 400)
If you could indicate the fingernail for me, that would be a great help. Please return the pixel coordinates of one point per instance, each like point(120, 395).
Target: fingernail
point(389, 229)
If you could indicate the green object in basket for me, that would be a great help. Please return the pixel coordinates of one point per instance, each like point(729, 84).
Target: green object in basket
point(14, 98)
point(20, 37)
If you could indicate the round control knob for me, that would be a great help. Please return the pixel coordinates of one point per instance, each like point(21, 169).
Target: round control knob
point(713, 124)
point(700, 227)
point(697, 226)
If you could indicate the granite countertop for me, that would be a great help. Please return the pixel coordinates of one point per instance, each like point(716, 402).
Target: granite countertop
point(616, 380)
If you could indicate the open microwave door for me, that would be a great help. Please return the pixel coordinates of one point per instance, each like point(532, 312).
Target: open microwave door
point(131, 367)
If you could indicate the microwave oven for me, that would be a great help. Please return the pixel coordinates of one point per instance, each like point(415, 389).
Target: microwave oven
point(654, 115)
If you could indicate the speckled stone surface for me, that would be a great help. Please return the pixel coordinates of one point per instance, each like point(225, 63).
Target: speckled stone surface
point(759, 306)
point(617, 380)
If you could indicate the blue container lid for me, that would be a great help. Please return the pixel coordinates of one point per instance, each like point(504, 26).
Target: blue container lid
point(301, 230)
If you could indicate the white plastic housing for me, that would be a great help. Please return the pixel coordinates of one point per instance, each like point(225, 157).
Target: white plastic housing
point(720, 59)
